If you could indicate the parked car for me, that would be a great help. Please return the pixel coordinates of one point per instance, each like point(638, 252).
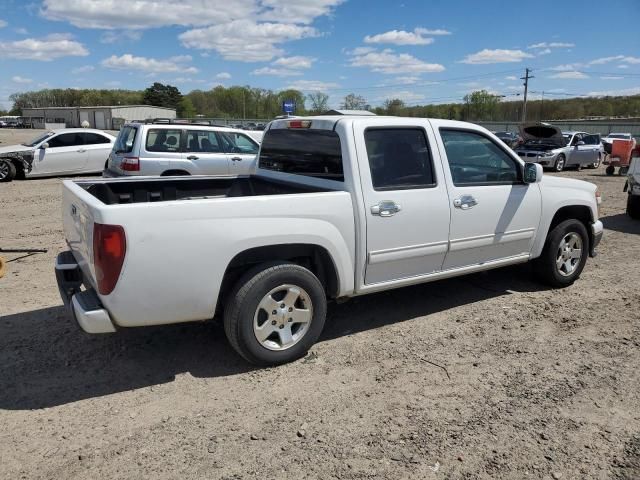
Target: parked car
point(607, 140)
point(509, 138)
point(550, 147)
point(632, 187)
point(181, 149)
point(3, 124)
point(338, 206)
point(57, 152)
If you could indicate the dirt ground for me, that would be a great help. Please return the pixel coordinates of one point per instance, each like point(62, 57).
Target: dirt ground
point(538, 383)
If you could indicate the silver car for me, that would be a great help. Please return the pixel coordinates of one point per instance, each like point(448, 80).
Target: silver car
point(552, 148)
point(164, 148)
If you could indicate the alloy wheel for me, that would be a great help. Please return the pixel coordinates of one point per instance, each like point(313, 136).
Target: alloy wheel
point(569, 254)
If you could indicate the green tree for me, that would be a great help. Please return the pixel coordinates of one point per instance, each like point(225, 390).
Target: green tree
point(354, 102)
point(394, 107)
point(319, 102)
point(160, 95)
point(186, 108)
point(481, 105)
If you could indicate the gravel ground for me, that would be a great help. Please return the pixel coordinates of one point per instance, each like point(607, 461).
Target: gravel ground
point(529, 382)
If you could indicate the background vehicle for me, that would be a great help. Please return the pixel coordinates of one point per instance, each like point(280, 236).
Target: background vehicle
point(181, 149)
point(509, 138)
point(339, 206)
point(547, 145)
point(57, 152)
point(632, 187)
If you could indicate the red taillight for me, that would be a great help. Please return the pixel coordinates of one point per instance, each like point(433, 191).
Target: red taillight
point(299, 123)
point(130, 164)
point(109, 248)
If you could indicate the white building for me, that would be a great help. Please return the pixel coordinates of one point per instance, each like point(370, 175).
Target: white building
point(102, 117)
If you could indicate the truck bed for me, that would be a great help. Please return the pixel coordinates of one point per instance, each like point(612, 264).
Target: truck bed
point(165, 189)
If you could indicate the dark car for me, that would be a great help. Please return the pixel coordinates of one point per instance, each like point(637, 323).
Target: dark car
point(511, 139)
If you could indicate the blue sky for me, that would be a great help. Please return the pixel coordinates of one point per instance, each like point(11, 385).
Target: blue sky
point(421, 51)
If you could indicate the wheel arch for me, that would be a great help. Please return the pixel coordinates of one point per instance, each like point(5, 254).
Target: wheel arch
point(314, 257)
point(579, 212)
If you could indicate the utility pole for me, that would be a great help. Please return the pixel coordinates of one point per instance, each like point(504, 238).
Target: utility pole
point(526, 79)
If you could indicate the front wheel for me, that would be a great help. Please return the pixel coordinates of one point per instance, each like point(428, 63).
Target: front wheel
point(275, 313)
point(596, 164)
point(559, 166)
point(564, 254)
point(7, 171)
point(633, 206)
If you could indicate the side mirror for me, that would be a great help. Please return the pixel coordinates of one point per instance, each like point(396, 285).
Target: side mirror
point(44, 145)
point(532, 172)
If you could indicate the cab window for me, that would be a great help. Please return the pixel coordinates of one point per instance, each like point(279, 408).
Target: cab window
point(204, 141)
point(476, 160)
point(163, 140)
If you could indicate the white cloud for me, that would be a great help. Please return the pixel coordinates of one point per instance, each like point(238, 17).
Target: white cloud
point(278, 72)
point(83, 69)
point(611, 77)
point(137, 14)
point(566, 67)
point(245, 40)
point(623, 66)
point(406, 96)
point(43, 49)
point(124, 36)
point(3, 23)
point(552, 45)
point(149, 65)
point(295, 62)
point(616, 58)
point(546, 51)
point(387, 61)
point(570, 75)
point(296, 11)
point(312, 85)
point(511, 77)
point(22, 80)
point(614, 93)
point(400, 37)
point(223, 76)
point(113, 83)
point(21, 30)
point(487, 56)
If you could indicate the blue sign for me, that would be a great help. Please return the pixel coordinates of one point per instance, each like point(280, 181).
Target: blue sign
point(289, 106)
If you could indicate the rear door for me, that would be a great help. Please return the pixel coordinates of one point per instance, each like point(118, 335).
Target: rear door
point(494, 214)
point(66, 153)
point(405, 198)
point(205, 153)
point(241, 151)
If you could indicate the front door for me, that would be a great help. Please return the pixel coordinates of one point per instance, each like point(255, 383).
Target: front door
point(66, 153)
point(242, 152)
point(494, 215)
point(405, 201)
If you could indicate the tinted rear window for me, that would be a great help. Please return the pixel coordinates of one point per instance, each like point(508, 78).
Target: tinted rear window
point(314, 153)
point(126, 137)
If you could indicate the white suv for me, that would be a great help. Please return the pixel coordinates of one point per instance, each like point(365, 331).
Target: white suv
point(163, 148)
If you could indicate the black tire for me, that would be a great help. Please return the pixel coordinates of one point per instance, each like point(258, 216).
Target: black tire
point(623, 170)
point(242, 306)
point(545, 266)
point(596, 164)
point(633, 206)
point(560, 163)
point(610, 170)
point(7, 170)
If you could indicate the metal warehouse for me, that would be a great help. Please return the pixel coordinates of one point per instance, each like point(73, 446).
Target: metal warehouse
point(102, 117)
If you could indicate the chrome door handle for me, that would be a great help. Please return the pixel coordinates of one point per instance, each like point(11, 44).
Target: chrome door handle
point(192, 157)
point(465, 202)
point(385, 208)
point(236, 159)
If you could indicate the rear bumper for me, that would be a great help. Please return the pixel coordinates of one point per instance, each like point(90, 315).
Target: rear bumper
point(597, 230)
point(83, 305)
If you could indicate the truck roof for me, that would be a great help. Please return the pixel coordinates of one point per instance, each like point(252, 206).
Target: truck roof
point(328, 122)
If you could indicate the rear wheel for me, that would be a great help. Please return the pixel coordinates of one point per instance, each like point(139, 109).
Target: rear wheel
point(633, 206)
point(596, 164)
point(275, 313)
point(559, 165)
point(564, 254)
point(7, 170)
point(610, 170)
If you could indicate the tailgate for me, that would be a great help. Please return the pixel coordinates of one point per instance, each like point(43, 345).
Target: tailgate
point(78, 215)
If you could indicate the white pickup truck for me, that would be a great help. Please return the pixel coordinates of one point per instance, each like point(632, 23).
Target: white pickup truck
point(338, 206)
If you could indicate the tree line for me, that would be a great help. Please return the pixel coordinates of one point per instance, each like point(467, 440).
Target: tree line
point(249, 102)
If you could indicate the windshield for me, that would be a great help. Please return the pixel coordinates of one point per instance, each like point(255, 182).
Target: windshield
point(38, 139)
point(567, 138)
point(618, 135)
